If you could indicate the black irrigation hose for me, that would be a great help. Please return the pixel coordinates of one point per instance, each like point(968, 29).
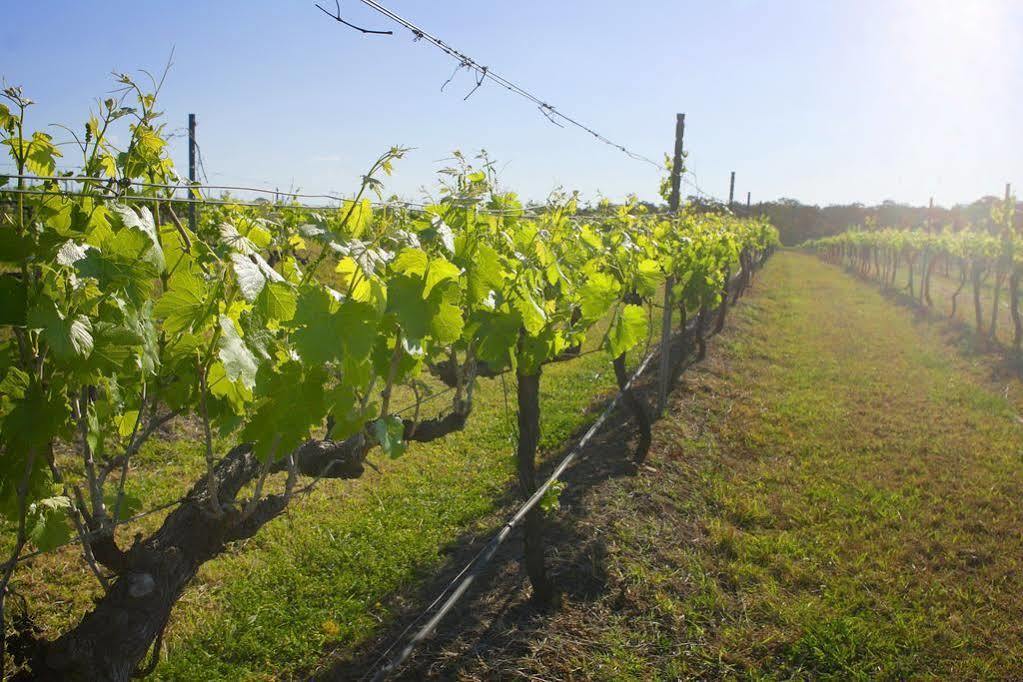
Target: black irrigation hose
point(458, 585)
point(475, 566)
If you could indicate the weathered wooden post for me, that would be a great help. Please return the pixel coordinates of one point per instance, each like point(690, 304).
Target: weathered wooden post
point(673, 202)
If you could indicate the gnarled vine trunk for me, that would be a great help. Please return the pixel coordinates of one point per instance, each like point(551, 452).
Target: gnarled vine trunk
point(955, 294)
point(1017, 323)
point(999, 277)
point(926, 285)
point(525, 457)
point(113, 638)
point(636, 407)
point(977, 308)
point(110, 641)
point(723, 308)
point(701, 332)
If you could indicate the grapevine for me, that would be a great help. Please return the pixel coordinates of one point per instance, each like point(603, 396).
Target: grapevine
point(286, 330)
point(979, 255)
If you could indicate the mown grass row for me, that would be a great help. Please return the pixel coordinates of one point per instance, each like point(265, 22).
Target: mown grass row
point(836, 497)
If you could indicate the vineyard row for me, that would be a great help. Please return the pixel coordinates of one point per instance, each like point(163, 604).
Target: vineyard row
point(289, 332)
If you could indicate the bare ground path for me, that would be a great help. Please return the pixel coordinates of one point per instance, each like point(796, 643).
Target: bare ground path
point(836, 494)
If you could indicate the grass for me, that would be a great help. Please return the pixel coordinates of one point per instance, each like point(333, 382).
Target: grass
point(330, 573)
point(942, 288)
point(836, 496)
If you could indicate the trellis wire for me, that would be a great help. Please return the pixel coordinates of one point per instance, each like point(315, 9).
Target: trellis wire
point(409, 205)
point(414, 207)
point(486, 73)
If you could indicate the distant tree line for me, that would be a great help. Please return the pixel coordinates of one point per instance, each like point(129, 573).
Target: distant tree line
point(797, 222)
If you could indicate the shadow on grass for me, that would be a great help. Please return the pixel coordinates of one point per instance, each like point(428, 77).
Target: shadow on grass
point(1006, 362)
point(498, 604)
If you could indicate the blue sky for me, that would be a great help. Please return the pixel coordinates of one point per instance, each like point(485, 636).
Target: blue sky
point(826, 102)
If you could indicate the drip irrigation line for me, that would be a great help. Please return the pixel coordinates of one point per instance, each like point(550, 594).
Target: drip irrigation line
point(485, 73)
point(457, 587)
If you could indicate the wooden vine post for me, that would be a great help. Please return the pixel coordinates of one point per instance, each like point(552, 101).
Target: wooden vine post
point(191, 171)
point(673, 202)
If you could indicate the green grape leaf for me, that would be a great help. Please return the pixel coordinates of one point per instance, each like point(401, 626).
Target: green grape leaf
point(142, 223)
point(120, 268)
point(629, 328)
point(484, 273)
point(32, 422)
point(412, 262)
point(178, 256)
point(536, 350)
point(69, 339)
point(183, 306)
point(15, 383)
point(364, 288)
point(597, 295)
point(259, 236)
point(239, 362)
point(405, 301)
point(236, 394)
point(496, 335)
point(440, 271)
point(14, 247)
point(252, 273)
point(357, 328)
point(41, 154)
point(126, 423)
point(277, 301)
point(551, 500)
point(317, 334)
point(446, 324)
point(533, 318)
point(47, 522)
point(292, 402)
point(649, 277)
point(390, 432)
point(344, 406)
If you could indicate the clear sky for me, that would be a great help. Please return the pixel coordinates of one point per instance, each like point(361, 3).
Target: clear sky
point(824, 101)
